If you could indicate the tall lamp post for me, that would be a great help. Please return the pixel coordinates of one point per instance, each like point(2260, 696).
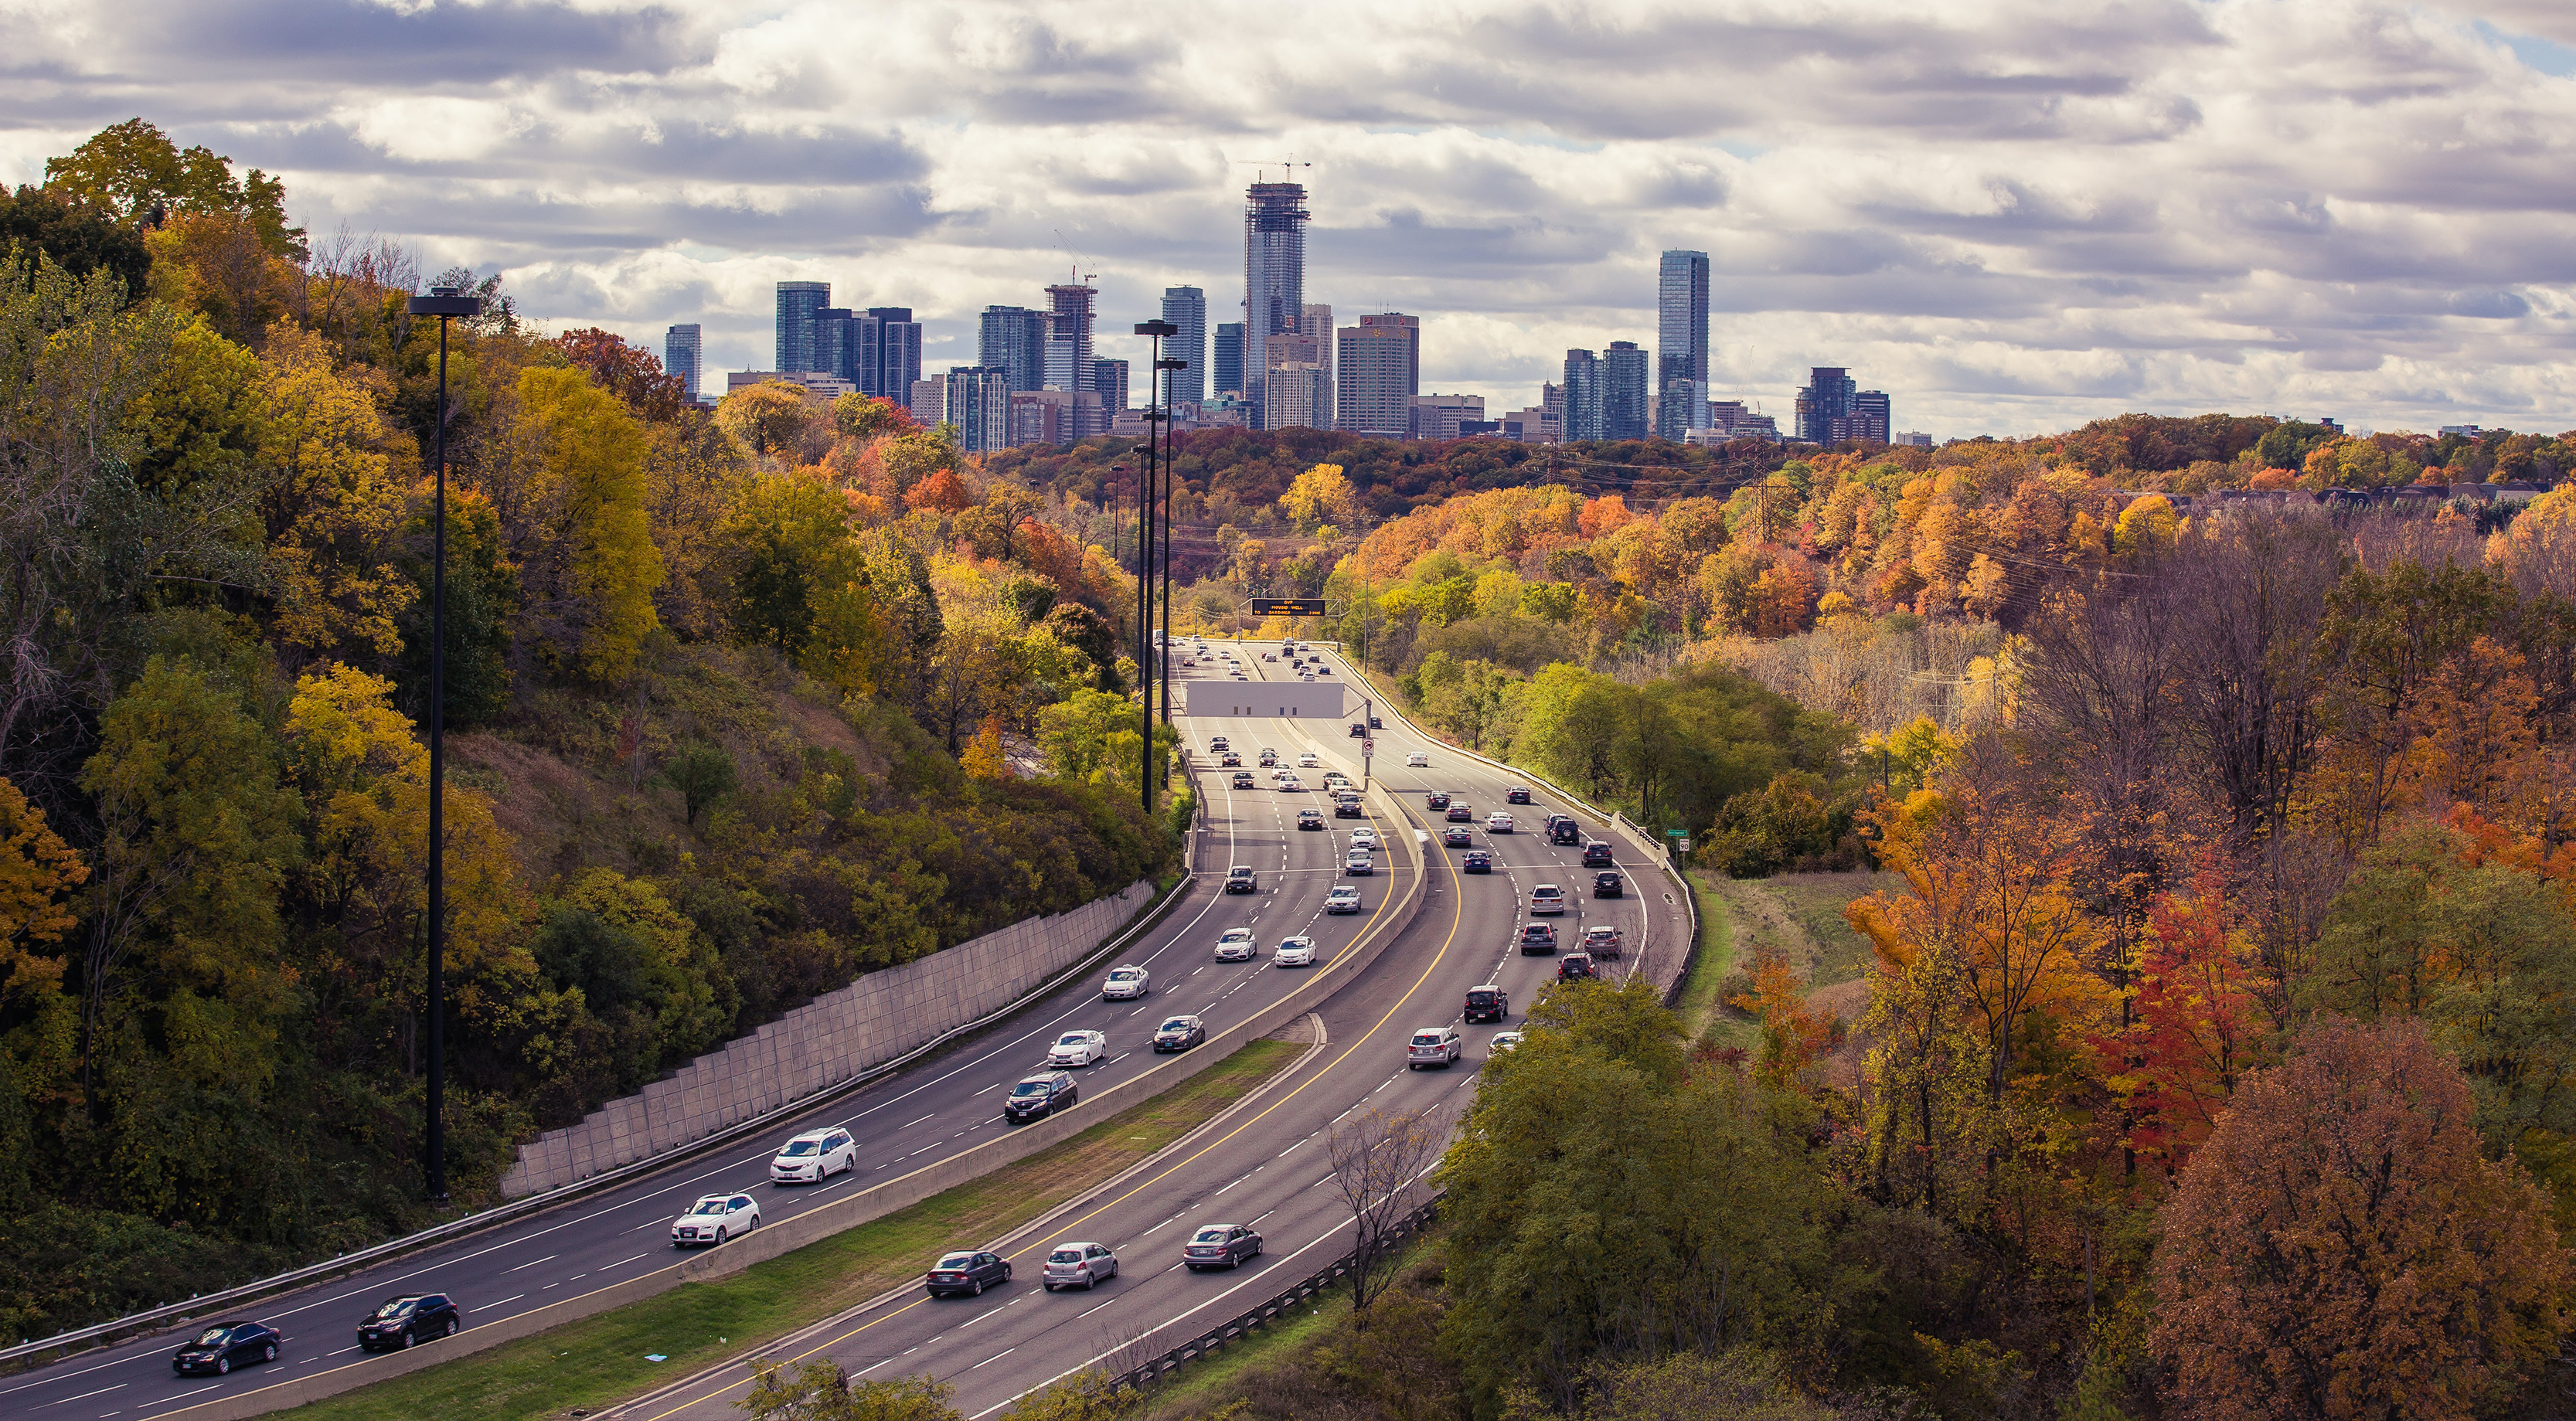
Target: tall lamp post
point(446, 303)
point(1157, 458)
point(1144, 631)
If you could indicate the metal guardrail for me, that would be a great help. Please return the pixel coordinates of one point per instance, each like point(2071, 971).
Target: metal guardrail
point(152, 1319)
point(1163, 1368)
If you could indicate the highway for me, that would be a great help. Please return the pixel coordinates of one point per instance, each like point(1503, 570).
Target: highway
point(1268, 1166)
point(911, 1119)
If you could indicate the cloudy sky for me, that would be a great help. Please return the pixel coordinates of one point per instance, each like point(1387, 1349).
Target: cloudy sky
point(2012, 215)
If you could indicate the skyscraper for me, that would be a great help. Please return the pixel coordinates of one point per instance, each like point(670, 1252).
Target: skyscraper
point(1378, 371)
point(832, 346)
point(1295, 393)
point(977, 401)
point(1867, 421)
point(1186, 307)
point(680, 355)
point(798, 304)
point(885, 351)
point(1681, 330)
point(1225, 363)
point(1828, 397)
point(1109, 377)
point(1582, 395)
point(1012, 339)
point(1623, 391)
point(1274, 273)
point(1317, 321)
point(1068, 337)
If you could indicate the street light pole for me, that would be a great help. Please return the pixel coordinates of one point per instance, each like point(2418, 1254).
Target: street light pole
point(446, 303)
point(1156, 412)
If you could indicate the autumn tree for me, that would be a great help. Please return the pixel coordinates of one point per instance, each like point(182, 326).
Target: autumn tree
point(333, 504)
point(774, 419)
point(2339, 1247)
point(634, 375)
point(135, 173)
point(821, 1391)
point(1322, 494)
point(572, 484)
point(38, 875)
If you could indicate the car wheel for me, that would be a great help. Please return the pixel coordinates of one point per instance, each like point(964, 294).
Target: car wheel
point(268, 1354)
point(720, 1235)
point(223, 1365)
point(1089, 1282)
point(1050, 1287)
point(404, 1340)
point(975, 1289)
point(449, 1330)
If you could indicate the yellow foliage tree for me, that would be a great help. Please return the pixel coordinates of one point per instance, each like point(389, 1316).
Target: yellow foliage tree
point(38, 872)
point(332, 508)
point(588, 458)
point(1321, 495)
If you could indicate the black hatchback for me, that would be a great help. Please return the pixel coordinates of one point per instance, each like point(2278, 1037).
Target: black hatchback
point(227, 1345)
point(410, 1318)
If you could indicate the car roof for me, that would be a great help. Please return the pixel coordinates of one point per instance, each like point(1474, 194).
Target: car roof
point(825, 1132)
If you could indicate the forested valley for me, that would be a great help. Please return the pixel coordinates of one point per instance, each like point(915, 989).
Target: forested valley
point(740, 704)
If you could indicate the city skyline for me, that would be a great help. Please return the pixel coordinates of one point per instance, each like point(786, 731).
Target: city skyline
point(2152, 213)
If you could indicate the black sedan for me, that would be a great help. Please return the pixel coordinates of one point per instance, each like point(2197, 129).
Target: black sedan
point(1180, 1033)
point(227, 1345)
point(1517, 794)
point(967, 1273)
point(1608, 885)
point(1458, 838)
point(1220, 1246)
point(1435, 800)
point(410, 1318)
point(1477, 861)
point(1038, 1096)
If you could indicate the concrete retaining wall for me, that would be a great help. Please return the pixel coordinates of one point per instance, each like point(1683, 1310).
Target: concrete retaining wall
point(823, 1043)
point(874, 1202)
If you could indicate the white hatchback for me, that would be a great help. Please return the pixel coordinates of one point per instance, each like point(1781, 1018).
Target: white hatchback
point(812, 1157)
point(1308, 761)
point(1364, 837)
point(1125, 984)
point(1077, 1048)
point(1079, 1264)
point(1236, 945)
point(1298, 951)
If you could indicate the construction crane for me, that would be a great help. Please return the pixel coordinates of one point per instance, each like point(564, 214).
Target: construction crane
point(1283, 164)
point(1079, 275)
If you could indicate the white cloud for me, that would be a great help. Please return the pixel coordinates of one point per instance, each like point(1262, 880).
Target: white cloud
point(2010, 214)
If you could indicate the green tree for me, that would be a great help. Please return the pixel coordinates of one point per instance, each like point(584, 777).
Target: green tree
point(197, 834)
point(75, 237)
point(703, 774)
point(133, 172)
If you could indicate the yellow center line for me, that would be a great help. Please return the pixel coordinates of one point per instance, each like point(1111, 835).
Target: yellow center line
point(1457, 917)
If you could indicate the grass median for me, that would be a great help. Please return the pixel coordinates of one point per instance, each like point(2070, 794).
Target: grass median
point(589, 1364)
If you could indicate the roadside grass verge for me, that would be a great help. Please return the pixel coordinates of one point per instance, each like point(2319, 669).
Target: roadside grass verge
point(596, 1361)
point(1698, 1005)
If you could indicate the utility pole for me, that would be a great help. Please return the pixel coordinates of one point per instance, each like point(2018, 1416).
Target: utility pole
point(446, 303)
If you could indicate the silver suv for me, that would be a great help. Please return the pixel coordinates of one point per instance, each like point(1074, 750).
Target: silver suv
point(1433, 1046)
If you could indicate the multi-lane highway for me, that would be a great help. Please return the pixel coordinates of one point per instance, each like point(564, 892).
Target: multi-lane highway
point(1264, 1168)
point(1267, 1166)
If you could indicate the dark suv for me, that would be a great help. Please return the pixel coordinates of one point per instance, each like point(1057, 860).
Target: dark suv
point(1596, 854)
point(1038, 1096)
point(1240, 879)
point(1574, 965)
point(1538, 938)
point(1488, 1003)
point(1561, 829)
point(1608, 885)
point(227, 1345)
point(411, 1318)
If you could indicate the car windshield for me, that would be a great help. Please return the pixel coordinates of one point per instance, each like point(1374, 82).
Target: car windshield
point(801, 1147)
point(212, 1336)
point(396, 1307)
point(958, 1260)
point(1030, 1088)
point(1214, 1235)
point(1065, 1255)
point(709, 1206)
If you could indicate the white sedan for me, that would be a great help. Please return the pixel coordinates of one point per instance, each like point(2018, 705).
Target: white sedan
point(1125, 984)
point(1236, 945)
point(1308, 761)
point(812, 1157)
point(1498, 823)
point(1077, 1048)
point(713, 1219)
point(1298, 951)
point(1417, 761)
point(1364, 837)
point(1503, 1041)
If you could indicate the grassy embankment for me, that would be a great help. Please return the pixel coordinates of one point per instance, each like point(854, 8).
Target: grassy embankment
point(1798, 916)
point(598, 1360)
